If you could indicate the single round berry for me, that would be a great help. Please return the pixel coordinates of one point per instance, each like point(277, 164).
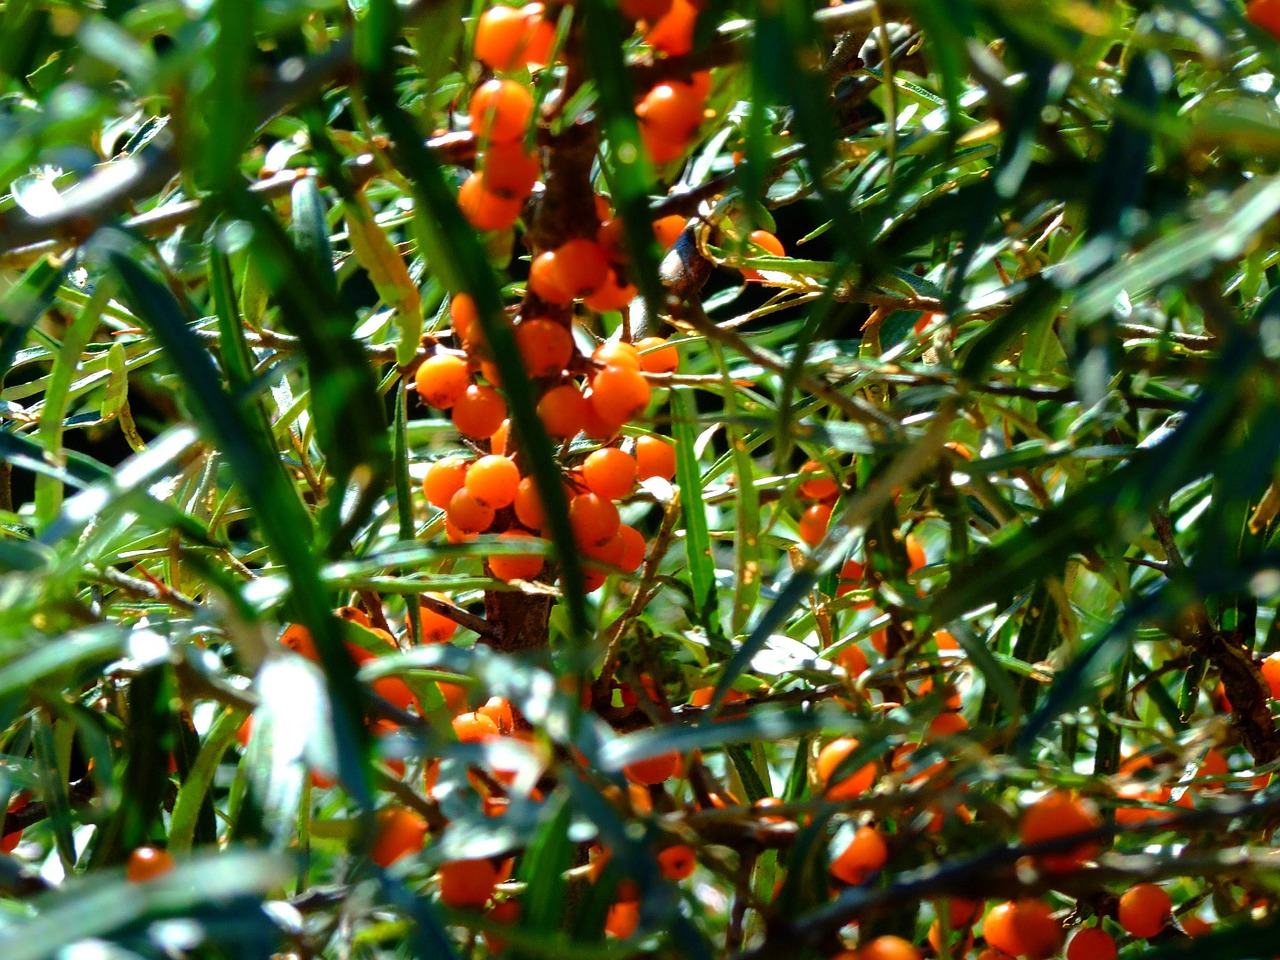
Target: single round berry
point(865, 853)
point(655, 457)
point(1091, 943)
point(147, 863)
point(397, 833)
point(467, 513)
point(501, 110)
point(441, 380)
point(855, 782)
point(653, 771)
point(817, 487)
point(577, 267)
point(611, 295)
point(502, 33)
point(888, 947)
point(657, 356)
point(813, 523)
point(468, 884)
point(672, 33)
point(546, 347)
point(528, 505)
point(498, 709)
point(610, 472)
point(594, 519)
point(563, 411)
point(516, 566)
point(1145, 910)
point(485, 209)
point(463, 315)
point(672, 110)
point(475, 727)
point(493, 480)
point(622, 919)
point(436, 627)
point(667, 230)
point(770, 246)
point(1025, 928)
point(1271, 673)
point(479, 412)
point(677, 862)
point(545, 281)
point(615, 353)
point(619, 393)
point(443, 479)
point(1056, 816)
point(633, 548)
point(510, 171)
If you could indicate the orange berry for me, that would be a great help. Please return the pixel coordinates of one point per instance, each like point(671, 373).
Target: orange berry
point(594, 519)
point(484, 209)
point(655, 457)
point(1145, 910)
point(493, 480)
point(655, 770)
point(1265, 14)
point(622, 919)
point(468, 884)
point(619, 393)
point(772, 247)
point(888, 947)
point(916, 557)
point(454, 534)
point(633, 548)
point(1091, 943)
point(1271, 673)
point(581, 267)
point(657, 356)
point(441, 380)
point(516, 566)
point(1026, 928)
point(611, 295)
point(865, 853)
point(609, 472)
point(501, 110)
point(563, 410)
point(673, 32)
point(498, 709)
point(946, 724)
point(545, 281)
point(853, 784)
point(475, 727)
point(436, 627)
point(1192, 925)
point(817, 488)
point(298, 639)
point(398, 833)
point(462, 314)
point(147, 863)
point(677, 862)
point(853, 660)
point(498, 442)
point(959, 910)
point(443, 479)
point(1060, 815)
point(667, 230)
point(502, 33)
point(467, 513)
point(596, 426)
point(510, 171)
point(542, 36)
point(615, 353)
point(671, 110)
point(612, 237)
point(546, 347)
point(353, 615)
point(480, 412)
point(528, 505)
point(813, 523)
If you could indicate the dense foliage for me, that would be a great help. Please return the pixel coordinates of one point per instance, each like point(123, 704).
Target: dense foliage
point(712, 479)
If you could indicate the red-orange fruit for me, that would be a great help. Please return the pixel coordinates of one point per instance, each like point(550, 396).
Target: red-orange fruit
point(498, 442)
point(398, 833)
point(147, 863)
point(485, 209)
point(1145, 910)
point(619, 393)
point(462, 314)
point(655, 770)
point(667, 230)
point(493, 480)
point(888, 947)
point(468, 884)
point(1265, 14)
point(1025, 928)
point(633, 548)
point(441, 380)
point(596, 426)
point(1059, 815)
point(1091, 943)
point(655, 457)
point(672, 33)
point(501, 110)
point(657, 355)
point(865, 853)
point(468, 514)
point(435, 627)
point(677, 862)
point(443, 479)
point(853, 660)
point(498, 709)
point(813, 523)
point(581, 266)
point(855, 783)
point(563, 410)
point(1271, 673)
point(298, 639)
point(672, 110)
point(616, 353)
point(609, 472)
point(475, 727)
point(510, 171)
point(594, 519)
point(503, 34)
point(516, 566)
point(546, 347)
point(817, 487)
point(611, 295)
point(480, 412)
point(545, 281)
point(622, 919)
point(528, 505)
point(771, 247)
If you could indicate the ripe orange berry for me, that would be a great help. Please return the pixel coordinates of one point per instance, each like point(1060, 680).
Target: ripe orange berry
point(498, 709)
point(611, 295)
point(667, 230)
point(655, 770)
point(580, 267)
point(615, 353)
point(441, 380)
point(673, 32)
point(677, 862)
point(454, 534)
point(546, 347)
point(657, 356)
point(528, 505)
point(594, 519)
point(633, 548)
point(916, 557)
point(510, 171)
point(619, 393)
point(671, 110)
point(1145, 910)
point(467, 513)
point(772, 247)
point(502, 34)
point(462, 314)
point(1265, 14)
point(480, 412)
point(498, 442)
point(817, 487)
point(1025, 928)
point(475, 727)
point(545, 281)
point(1060, 815)
point(147, 863)
point(597, 427)
point(655, 457)
point(516, 566)
point(398, 833)
point(888, 947)
point(852, 785)
point(813, 523)
point(436, 627)
point(501, 110)
point(853, 660)
point(468, 884)
point(542, 36)
point(622, 919)
point(563, 410)
point(1091, 943)
point(609, 472)
point(492, 481)
point(865, 853)
point(298, 639)
point(485, 209)
point(1271, 673)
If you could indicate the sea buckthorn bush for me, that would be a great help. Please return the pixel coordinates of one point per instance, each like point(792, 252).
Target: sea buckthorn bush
point(639, 477)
